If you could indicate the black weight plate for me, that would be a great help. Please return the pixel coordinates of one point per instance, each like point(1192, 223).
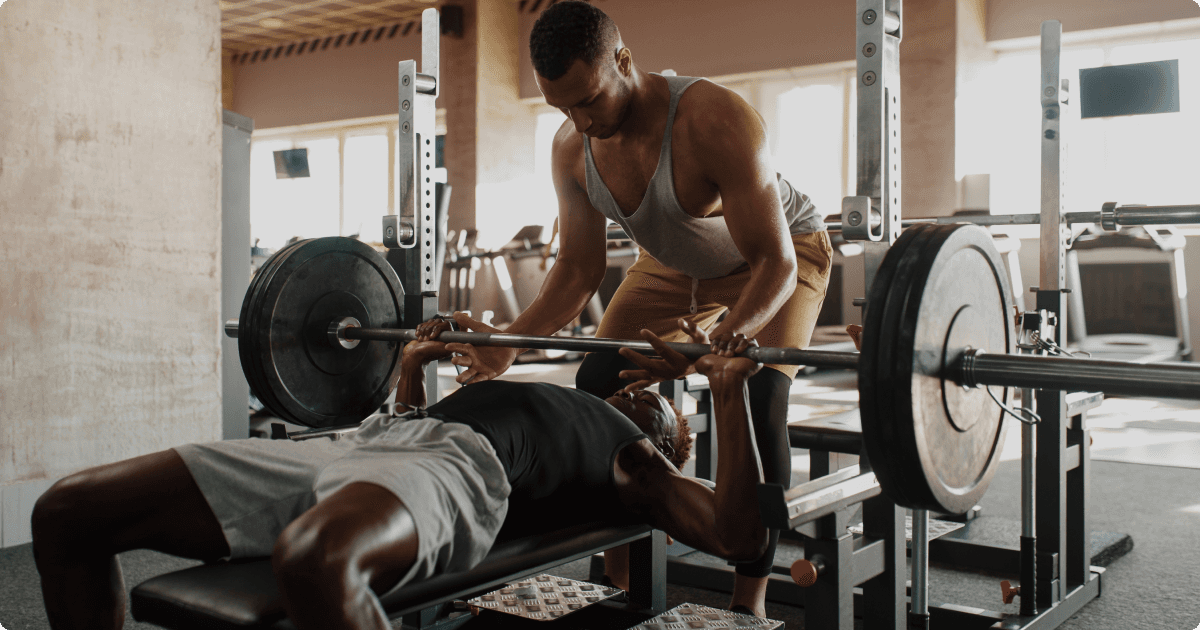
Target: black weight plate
point(248, 347)
point(306, 379)
point(885, 421)
point(933, 444)
point(876, 385)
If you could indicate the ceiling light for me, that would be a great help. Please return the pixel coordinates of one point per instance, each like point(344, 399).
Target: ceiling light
point(270, 22)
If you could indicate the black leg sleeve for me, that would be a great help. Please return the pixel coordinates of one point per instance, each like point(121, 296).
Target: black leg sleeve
point(597, 374)
point(769, 391)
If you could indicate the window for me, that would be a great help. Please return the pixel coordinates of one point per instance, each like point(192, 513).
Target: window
point(811, 132)
point(365, 187)
point(1147, 159)
point(350, 187)
point(306, 206)
point(502, 209)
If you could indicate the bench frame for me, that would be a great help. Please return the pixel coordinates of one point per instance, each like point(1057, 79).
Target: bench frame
point(184, 600)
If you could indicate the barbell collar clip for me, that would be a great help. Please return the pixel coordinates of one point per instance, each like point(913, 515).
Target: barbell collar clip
point(966, 367)
point(1108, 216)
point(337, 333)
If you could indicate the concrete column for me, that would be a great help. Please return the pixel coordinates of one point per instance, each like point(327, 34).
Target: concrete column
point(110, 193)
point(972, 56)
point(506, 128)
point(459, 97)
point(489, 133)
point(944, 46)
point(928, 72)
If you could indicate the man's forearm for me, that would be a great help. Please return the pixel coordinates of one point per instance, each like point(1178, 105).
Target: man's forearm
point(410, 390)
point(739, 470)
point(561, 299)
point(769, 288)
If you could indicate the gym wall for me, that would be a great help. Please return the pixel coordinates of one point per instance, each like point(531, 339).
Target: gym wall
point(337, 82)
point(110, 166)
point(1009, 19)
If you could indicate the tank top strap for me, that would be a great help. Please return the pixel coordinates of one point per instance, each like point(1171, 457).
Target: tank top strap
point(676, 85)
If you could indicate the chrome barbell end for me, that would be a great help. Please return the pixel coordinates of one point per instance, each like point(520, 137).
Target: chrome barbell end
point(1108, 216)
point(966, 367)
point(337, 329)
point(231, 328)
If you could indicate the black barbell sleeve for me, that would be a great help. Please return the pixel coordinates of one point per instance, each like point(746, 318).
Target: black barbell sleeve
point(1115, 378)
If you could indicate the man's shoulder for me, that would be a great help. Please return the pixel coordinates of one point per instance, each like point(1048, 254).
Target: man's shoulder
point(567, 141)
point(705, 102)
point(567, 150)
point(714, 123)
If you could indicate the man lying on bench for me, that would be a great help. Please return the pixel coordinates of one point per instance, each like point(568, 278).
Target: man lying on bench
point(400, 499)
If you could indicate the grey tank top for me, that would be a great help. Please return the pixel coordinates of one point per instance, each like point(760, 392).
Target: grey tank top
point(698, 247)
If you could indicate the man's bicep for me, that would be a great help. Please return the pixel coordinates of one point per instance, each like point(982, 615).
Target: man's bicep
point(582, 238)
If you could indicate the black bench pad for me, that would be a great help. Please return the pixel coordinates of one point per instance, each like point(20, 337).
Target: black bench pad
point(239, 595)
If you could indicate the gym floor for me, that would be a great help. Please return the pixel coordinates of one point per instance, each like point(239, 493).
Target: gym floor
point(1144, 483)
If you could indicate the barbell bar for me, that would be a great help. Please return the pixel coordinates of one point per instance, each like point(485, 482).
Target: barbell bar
point(1110, 217)
point(973, 368)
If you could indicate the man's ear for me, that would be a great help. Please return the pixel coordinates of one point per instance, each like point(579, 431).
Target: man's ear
point(624, 59)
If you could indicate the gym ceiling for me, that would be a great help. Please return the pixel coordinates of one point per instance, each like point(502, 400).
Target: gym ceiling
point(248, 25)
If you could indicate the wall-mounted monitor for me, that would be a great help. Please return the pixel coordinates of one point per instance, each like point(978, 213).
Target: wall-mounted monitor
point(1137, 88)
point(291, 163)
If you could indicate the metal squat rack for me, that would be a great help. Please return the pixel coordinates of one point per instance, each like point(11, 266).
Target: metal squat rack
point(413, 229)
point(1054, 559)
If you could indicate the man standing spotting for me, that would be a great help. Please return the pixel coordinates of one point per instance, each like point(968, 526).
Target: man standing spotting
point(683, 165)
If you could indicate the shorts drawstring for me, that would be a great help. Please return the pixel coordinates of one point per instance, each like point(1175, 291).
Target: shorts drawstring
point(695, 287)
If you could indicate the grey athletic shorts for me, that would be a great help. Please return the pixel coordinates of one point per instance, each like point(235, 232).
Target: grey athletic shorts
point(445, 473)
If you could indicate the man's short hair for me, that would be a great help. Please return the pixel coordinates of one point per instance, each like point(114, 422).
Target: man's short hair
point(683, 438)
point(568, 31)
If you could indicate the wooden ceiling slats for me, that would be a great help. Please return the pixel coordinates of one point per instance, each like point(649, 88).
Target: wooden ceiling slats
point(241, 30)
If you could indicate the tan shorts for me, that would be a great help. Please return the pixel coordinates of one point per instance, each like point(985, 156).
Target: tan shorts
point(654, 296)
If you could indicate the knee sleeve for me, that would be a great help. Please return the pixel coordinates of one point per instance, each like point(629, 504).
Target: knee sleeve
point(597, 374)
point(769, 391)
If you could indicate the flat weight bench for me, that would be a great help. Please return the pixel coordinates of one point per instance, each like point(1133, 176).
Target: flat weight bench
point(836, 433)
point(240, 595)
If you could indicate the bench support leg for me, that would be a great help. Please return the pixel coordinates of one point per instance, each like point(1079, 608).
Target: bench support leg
point(437, 617)
point(648, 571)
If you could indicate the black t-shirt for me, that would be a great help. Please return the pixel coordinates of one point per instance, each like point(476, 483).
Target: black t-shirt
point(557, 445)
